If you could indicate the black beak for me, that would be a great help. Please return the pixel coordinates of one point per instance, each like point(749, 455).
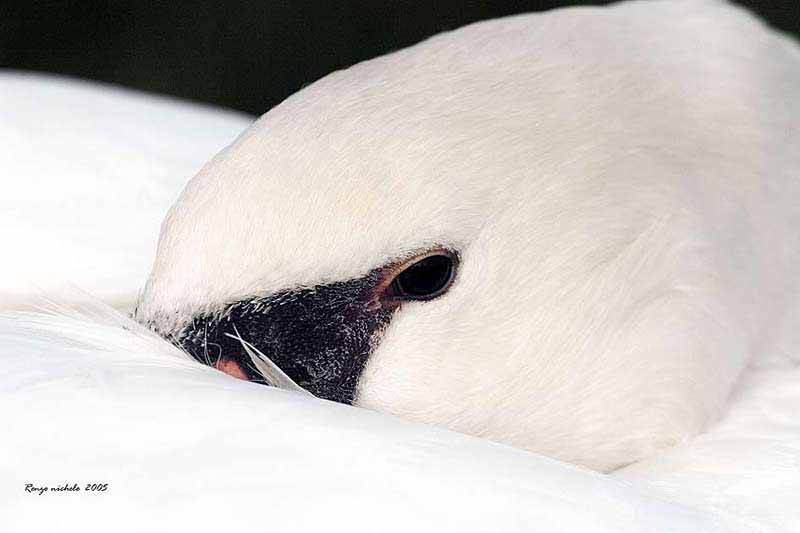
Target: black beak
point(321, 337)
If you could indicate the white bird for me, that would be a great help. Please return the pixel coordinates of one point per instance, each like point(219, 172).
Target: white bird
point(91, 397)
point(568, 232)
point(630, 210)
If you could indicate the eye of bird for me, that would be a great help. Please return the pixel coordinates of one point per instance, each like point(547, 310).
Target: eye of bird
point(426, 278)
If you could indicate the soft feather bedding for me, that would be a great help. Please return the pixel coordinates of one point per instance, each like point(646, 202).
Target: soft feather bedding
point(89, 397)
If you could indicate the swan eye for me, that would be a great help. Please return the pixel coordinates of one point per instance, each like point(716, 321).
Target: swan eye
point(425, 279)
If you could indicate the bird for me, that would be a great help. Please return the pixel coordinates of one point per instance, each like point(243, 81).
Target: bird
point(135, 428)
point(567, 232)
point(125, 411)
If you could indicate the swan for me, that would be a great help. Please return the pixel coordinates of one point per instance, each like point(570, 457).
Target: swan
point(89, 396)
point(567, 232)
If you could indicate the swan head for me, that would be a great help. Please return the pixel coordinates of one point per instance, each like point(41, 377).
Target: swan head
point(455, 242)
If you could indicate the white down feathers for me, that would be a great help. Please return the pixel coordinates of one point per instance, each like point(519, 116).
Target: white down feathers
point(621, 184)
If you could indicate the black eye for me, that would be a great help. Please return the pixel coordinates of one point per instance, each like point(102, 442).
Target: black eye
point(426, 279)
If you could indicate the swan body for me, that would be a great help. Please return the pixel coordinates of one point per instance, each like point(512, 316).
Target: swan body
point(183, 445)
point(89, 396)
point(89, 171)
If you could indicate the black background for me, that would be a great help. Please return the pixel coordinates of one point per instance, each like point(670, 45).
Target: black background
point(244, 54)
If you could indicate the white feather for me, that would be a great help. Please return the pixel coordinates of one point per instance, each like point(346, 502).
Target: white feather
point(268, 370)
point(622, 186)
point(90, 398)
point(88, 172)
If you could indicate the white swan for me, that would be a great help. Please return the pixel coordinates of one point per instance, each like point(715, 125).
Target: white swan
point(600, 207)
point(91, 397)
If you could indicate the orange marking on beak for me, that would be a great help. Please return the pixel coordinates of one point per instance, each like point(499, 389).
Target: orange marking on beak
point(230, 367)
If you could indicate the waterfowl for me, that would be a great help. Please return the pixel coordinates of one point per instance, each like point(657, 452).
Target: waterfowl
point(568, 232)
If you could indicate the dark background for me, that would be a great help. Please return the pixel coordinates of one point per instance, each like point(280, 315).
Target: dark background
point(244, 54)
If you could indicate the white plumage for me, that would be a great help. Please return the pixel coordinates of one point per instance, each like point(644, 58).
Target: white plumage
point(186, 447)
point(641, 324)
point(88, 396)
point(88, 174)
point(621, 184)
